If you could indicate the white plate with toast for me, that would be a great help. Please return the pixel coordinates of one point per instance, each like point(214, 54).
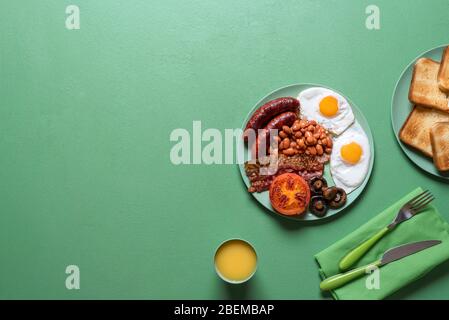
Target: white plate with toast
point(420, 111)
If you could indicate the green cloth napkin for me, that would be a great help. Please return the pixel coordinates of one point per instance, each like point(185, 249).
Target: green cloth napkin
point(428, 225)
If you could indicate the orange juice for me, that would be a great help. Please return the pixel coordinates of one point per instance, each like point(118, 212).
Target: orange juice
point(235, 261)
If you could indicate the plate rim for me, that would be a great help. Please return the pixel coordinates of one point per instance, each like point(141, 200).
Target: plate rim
point(411, 154)
point(371, 164)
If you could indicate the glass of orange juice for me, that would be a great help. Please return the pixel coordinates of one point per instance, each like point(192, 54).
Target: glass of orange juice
point(235, 261)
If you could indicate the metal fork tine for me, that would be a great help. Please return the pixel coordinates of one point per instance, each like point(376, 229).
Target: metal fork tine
point(412, 207)
point(419, 196)
point(421, 201)
point(416, 210)
point(413, 200)
point(421, 208)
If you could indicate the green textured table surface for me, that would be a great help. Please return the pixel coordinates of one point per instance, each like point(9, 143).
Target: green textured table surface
point(85, 119)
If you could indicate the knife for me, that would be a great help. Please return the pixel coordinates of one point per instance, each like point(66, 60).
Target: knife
point(390, 255)
point(407, 211)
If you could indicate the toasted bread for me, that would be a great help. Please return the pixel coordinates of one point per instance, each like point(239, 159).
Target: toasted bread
point(424, 89)
point(416, 130)
point(443, 74)
point(439, 137)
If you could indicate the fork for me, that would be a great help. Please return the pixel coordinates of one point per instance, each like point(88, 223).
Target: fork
point(409, 210)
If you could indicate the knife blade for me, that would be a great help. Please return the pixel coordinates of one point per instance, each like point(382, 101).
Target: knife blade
point(390, 255)
point(405, 250)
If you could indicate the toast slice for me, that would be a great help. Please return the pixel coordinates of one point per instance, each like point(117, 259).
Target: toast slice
point(439, 137)
point(443, 74)
point(416, 130)
point(424, 89)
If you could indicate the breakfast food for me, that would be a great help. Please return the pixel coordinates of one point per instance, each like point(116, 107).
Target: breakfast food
point(328, 108)
point(304, 137)
point(265, 113)
point(317, 185)
point(350, 158)
point(284, 119)
point(329, 193)
point(439, 137)
point(416, 130)
point(289, 154)
point(289, 194)
point(424, 89)
point(324, 197)
point(443, 74)
point(318, 206)
point(235, 260)
point(426, 128)
point(339, 199)
point(306, 166)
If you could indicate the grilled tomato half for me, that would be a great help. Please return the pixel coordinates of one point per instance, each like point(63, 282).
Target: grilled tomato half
point(289, 194)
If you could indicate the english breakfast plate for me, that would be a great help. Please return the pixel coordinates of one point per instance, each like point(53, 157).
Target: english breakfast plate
point(401, 108)
point(352, 140)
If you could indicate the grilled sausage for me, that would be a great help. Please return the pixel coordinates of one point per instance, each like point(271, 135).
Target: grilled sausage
point(272, 108)
point(284, 119)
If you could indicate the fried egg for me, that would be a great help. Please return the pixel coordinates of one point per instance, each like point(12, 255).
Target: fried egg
point(350, 158)
point(328, 108)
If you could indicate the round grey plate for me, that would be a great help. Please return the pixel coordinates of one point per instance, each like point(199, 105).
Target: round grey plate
point(401, 108)
point(293, 91)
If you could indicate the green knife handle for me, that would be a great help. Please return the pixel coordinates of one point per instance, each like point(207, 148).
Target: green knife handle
point(338, 280)
point(354, 255)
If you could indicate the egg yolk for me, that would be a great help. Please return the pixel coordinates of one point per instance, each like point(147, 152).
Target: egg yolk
point(351, 152)
point(329, 106)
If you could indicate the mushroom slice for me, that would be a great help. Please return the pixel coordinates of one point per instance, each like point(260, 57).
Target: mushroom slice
point(317, 185)
point(318, 206)
point(339, 200)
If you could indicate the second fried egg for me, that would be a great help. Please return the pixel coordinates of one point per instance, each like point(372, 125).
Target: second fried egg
point(350, 158)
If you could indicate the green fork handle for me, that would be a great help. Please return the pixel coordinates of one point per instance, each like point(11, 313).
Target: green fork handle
point(338, 280)
point(354, 255)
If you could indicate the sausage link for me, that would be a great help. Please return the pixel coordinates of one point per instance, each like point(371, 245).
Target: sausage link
point(284, 119)
point(262, 116)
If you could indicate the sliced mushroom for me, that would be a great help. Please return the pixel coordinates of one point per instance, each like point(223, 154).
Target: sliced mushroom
point(329, 193)
point(317, 185)
point(318, 206)
point(339, 200)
